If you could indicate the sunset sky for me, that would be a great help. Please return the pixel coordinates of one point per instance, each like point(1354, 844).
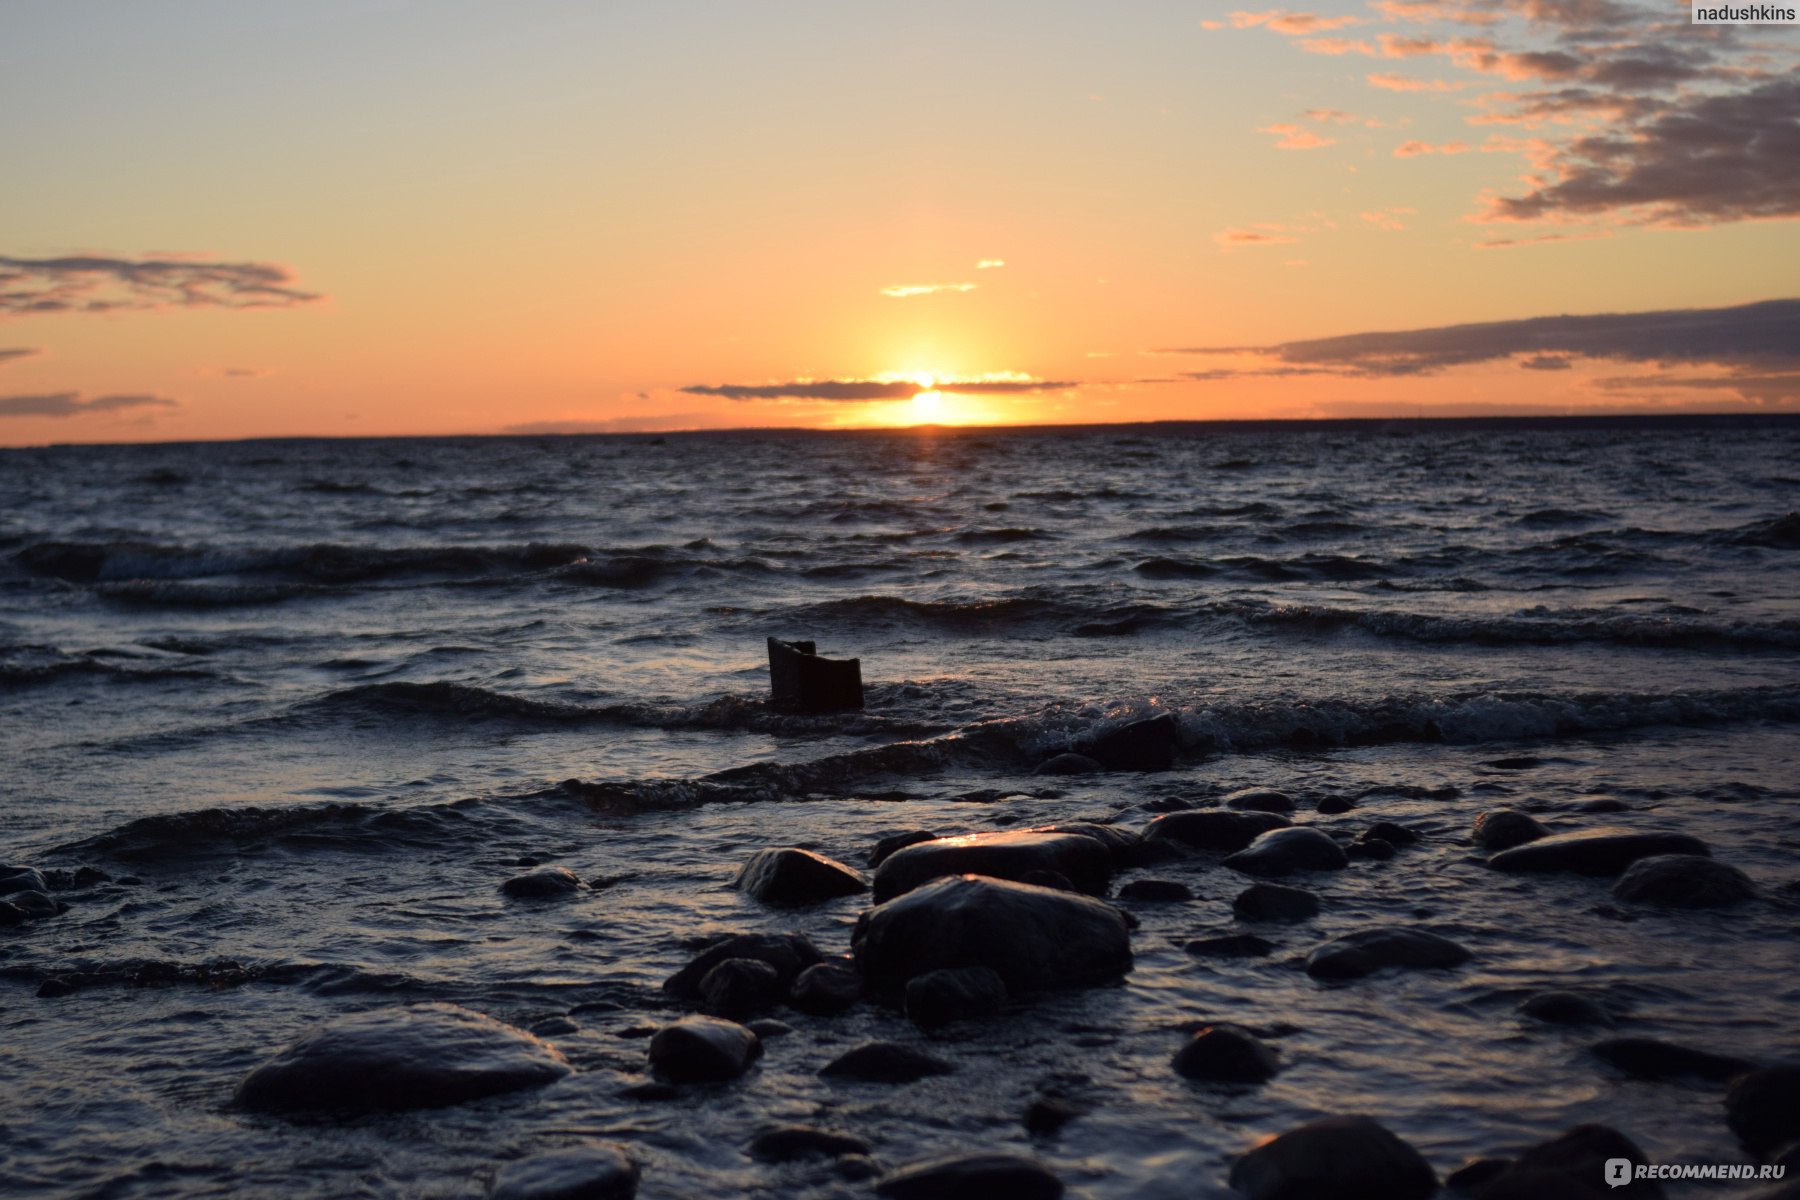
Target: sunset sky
point(389, 217)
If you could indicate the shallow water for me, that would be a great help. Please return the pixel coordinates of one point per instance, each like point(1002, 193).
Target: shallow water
point(318, 698)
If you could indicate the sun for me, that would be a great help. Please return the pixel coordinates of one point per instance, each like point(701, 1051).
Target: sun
point(928, 405)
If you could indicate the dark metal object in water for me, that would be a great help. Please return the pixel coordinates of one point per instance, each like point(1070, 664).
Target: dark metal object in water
point(801, 681)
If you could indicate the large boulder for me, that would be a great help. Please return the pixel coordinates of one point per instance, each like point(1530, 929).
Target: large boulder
point(1606, 850)
point(1571, 1164)
point(1369, 950)
point(1213, 829)
point(1505, 828)
point(1010, 854)
point(1684, 881)
point(602, 1171)
point(1147, 745)
point(424, 1056)
point(703, 1050)
point(1335, 1158)
point(954, 994)
point(1285, 851)
point(788, 953)
point(790, 876)
point(1034, 938)
point(972, 1177)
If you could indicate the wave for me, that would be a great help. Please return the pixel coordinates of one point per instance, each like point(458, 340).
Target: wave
point(321, 562)
point(25, 665)
point(210, 831)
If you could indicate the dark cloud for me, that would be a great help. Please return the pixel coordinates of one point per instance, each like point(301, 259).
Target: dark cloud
point(16, 352)
point(651, 423)
point(862, 390)
point(1546, 362)
point(88, 283)
point(1763, 336)
point(70, 404)
point(1728, 157)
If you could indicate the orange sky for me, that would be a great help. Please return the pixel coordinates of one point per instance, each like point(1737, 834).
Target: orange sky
point(230, 220)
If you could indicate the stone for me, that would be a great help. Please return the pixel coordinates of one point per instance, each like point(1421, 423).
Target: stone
point(1213, 829)
point(1566, 1008)
point(35, 905)
point(1391, 832)
point(1606, 850)
point(21, 879)
point(57, 985)
point(1235, 945)
point(768, 1027)
point(972, 1177)
point(1274, 902)
point(1334, 1158)
point(802, 680)
point(1355, 955)
point(1285, 851)
point(1120, 843)
point(937, 998)
point(548, 883)
point(1156, 891)
point(790, 1142)
point(1033, 938)
point(422, 1056)
point(1572, 1164)
point(897, 841)
point(1259, 800)
point(1505, 828)
point(826, 988)
point(1684, 881)
point(1648, 1058)
point(1475, 1174)
point(1069, 763)
point(788, 953)
point(592, 1172)
point(790, 876)
point(1048, 1114)
point(551, 1027)
point(703, 1050)
point(1370, 850)
point(739, 988)
point(1763, 1109)
point(1010, 854)
point(1332, 806)
point(12, 914)
point(1225, 1054)
point(884, 1062)
point(1147, 745)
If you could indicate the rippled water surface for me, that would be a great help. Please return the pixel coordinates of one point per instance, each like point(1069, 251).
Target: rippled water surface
point(310, 702)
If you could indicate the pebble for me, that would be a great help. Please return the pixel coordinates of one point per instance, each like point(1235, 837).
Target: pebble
point(885, 1062)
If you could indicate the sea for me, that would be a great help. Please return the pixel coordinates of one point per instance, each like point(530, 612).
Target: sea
point(306, 704)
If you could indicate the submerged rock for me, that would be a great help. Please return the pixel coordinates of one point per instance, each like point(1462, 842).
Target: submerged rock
point(1571, 1164)
point(1259, 800)
point(1147, 745)
point(1273, 902)
point(956, 994)
point(1684, 881)
point(740, 987)
point(789, 1142)
point(1225, 1054)
point(21, 879)
point(790, 876)
point(1391, 832)
point(1284, 851)
point(1566, 1008)
point(424, 1056)
point(1763, 1109)
point(788, 953)
point(972, 1177)
point(1012, 854)
point(704, 1050)
point(593, 1172)
point(885, 1062)
point(1033, 938)
point(1233, 945)
point(1606, 850)
point(1369, 950)
point(1335, 1158)
point(548, 883)
point(1213, 829)
point(35, 905)
point(1648, 1058)
point(1069, 763)
point(1156, 891)
point(826, 988)
point(1505, 828)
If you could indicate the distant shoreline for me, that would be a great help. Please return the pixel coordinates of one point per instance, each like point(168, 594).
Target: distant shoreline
point(1790, 420)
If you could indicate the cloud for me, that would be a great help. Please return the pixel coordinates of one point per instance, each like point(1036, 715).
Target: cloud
point(87, 283)
point(1388, 218)
point(902, 290)
point(990, 264)
point(648, 423)
point(1401, 83)
point(1762, 336)
point(863, 390)
point(1293, 137)
point(1330, 116)
point(1546, 362)
point(15, 353)
point(1282, 21)
point(70, 404)
point(1414, 149)
point(1262, 235)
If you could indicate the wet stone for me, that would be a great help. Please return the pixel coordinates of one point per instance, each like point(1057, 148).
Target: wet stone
point(703, 1050)
point(1504, 828)
point(1213, 829)
point(972, 1177)
point(1332, 806)
point(790, 1142)
point(592, 1172)
point(1684, 881)
point(790, 876)
point(885, 1062)
point(769, 1027)
point(1335, 1158)
point(21, 879)
point(1069, 764)
point(1606, 850)
point(1156, 891)
point(425, 1056)
point(35, 905)
point(1147, 745)
point(1235, 945)
point(554, 1027)
point(1763, 1109)
point(549, 883)
point(1258, 800)
point(1285, 851)
point(788, 953)
point(1274, 902)
point(937, 998)
point(1566, 1008)
point(1391, 832)
point(1648, 1058)
point(740, 987)
point(897, 841)
point(1370, 850)
point(826, 988)
point(1014, 854)
point(1355, 955)
point(1569, 1165)
point(1225, 1054)
point(12, 914)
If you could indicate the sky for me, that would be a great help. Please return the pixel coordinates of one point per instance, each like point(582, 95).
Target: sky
point(388, 217)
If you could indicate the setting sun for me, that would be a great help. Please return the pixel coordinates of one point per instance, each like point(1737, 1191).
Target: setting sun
point(928, 406)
